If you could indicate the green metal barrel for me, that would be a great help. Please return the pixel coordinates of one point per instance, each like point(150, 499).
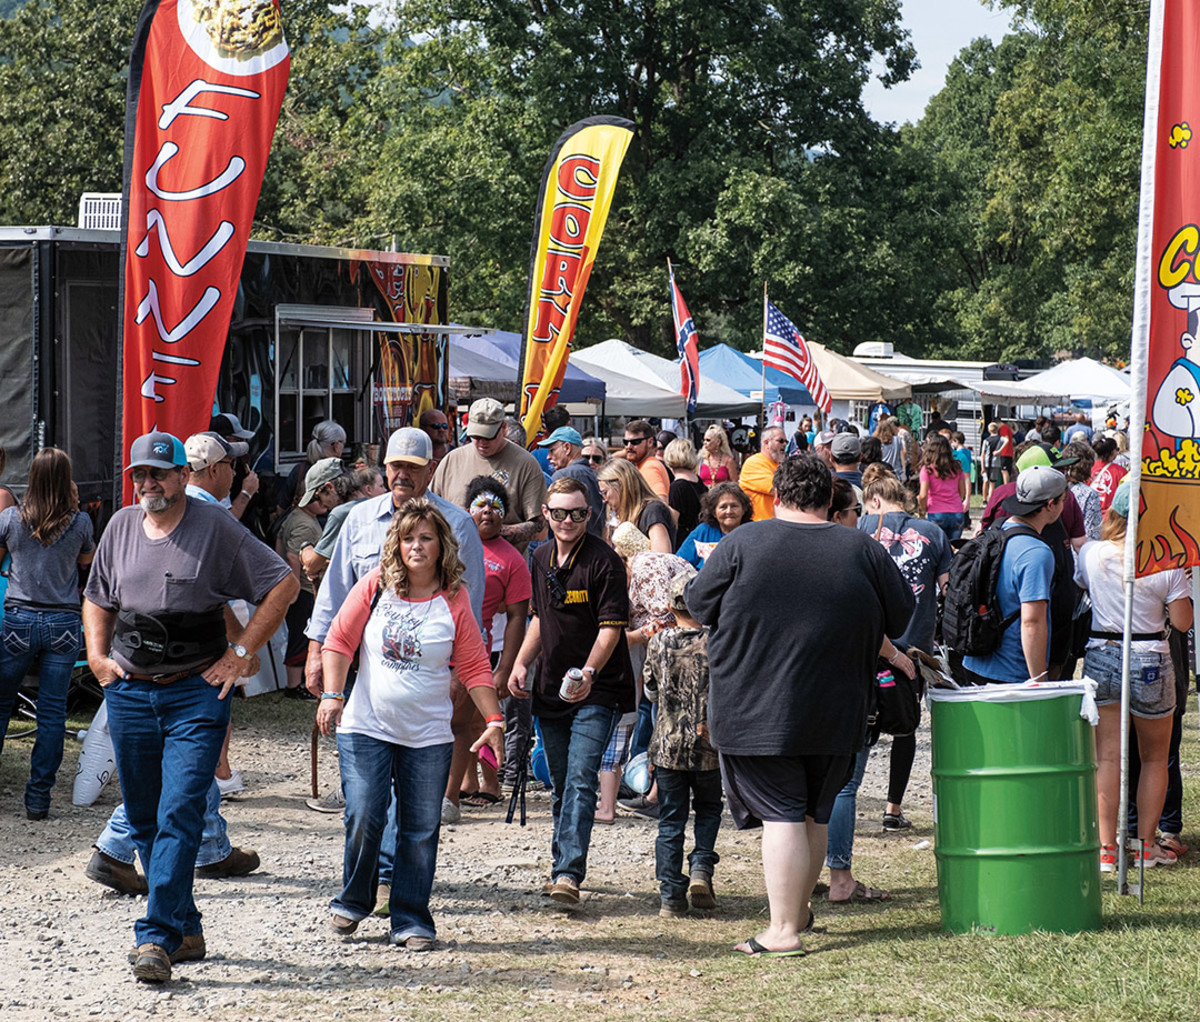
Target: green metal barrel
point(1014, 781)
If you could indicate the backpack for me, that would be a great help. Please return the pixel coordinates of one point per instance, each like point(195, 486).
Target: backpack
point(897, 699)
point(971, 621)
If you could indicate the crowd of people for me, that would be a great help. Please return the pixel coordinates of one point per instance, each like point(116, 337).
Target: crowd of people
point(475, 604)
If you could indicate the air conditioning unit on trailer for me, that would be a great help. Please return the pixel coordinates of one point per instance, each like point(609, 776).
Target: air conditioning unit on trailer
point(100, 211)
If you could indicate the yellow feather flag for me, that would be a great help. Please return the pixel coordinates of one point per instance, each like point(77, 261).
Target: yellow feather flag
point(577, 190)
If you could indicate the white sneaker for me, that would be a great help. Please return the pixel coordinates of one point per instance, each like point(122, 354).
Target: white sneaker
point(450, 812)
point(232, 785)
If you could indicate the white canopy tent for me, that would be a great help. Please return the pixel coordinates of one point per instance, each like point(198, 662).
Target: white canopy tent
point(1082, 378)
point(634, 396)
point(715, 399)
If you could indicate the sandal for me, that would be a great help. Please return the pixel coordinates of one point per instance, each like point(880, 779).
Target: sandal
point(862, 892)
point(758, 951)
point(480, 799)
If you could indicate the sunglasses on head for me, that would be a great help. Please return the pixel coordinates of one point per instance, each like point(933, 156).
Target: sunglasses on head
point(157, 474)
point(577, 514)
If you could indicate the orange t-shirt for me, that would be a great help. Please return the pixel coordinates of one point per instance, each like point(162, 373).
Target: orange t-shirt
point(655, 473)
point(758, 483)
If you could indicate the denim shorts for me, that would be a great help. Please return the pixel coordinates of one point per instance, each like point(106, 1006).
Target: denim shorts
point(1151, 680)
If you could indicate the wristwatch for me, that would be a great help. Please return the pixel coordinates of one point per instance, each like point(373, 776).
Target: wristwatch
point(239, 650)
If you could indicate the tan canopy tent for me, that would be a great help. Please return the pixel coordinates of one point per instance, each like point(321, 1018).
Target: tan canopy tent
point(848, 380)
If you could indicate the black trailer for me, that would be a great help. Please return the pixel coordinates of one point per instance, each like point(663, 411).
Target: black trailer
point(316, 333)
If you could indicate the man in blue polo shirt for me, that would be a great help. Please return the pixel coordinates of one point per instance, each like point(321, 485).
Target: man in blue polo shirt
point(1026, 579)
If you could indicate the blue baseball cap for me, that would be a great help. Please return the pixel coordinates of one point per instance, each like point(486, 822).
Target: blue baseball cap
point(1120, 501)
point(567, 433)
point(156, 450)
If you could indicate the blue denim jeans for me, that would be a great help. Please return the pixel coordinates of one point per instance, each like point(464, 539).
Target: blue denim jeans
point(950, 522)
point(674, 789)
point(53, 636)
point(374, 773)
point(167, 739)
point(116, 840)
point(840, 851)
point(643, 730)
point(574, 746)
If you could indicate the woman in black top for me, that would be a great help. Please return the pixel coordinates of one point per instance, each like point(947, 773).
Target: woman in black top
point(625, 490)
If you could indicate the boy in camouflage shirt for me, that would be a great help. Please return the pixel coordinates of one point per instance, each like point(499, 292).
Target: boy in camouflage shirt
point(676, 678)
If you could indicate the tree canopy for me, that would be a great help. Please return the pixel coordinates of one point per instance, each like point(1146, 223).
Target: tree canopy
point(1001, 225)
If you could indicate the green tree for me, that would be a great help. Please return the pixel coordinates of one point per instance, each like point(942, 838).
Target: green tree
point(730, 102)
point(63, 67)
point(1030, 157)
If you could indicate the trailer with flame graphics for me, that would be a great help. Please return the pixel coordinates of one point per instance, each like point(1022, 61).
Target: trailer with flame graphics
point(316, 333)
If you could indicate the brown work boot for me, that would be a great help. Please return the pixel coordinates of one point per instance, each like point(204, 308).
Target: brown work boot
point(564, 890)
point(193, 949)
point(120, 876)
point(152, 965)
point(237, 863)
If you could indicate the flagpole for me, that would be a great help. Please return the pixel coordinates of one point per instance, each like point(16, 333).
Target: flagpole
point(1139, 353)
point(763, 363)
point(682, 355)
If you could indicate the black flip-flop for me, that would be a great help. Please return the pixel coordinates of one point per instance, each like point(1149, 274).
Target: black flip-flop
point(480, 799)
point(758, 951)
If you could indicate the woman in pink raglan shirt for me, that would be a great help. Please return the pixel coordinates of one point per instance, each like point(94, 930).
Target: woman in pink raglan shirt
point(411, 621)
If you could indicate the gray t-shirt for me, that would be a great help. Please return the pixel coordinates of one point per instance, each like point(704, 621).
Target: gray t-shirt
point(333, 525)
point(45, 577)
point(208, 559)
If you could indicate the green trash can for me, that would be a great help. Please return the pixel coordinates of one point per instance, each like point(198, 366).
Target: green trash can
point(1014, 789)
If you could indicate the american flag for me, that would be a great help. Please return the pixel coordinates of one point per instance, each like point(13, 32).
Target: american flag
point(688, 343)
point(785, 349)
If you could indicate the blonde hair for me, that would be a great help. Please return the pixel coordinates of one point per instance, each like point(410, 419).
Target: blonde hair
point(680, 454)
point(393, 574)
point(886, 431)
point(633, 492)
point(715, 430)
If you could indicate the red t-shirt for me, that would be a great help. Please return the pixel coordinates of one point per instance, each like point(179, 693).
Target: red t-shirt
point(506, 581)
point(1105, 480)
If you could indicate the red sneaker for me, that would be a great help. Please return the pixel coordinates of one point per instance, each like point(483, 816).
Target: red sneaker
point(1155, 855)
point(1108, 858)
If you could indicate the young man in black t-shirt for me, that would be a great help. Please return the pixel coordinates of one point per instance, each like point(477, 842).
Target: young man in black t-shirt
point(580, 611)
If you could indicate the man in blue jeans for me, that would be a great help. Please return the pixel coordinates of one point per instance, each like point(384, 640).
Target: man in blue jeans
point(580, 611)
point(155, 624)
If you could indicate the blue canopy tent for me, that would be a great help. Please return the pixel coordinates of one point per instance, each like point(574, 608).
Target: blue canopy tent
point(745, 375)
point(502, 346)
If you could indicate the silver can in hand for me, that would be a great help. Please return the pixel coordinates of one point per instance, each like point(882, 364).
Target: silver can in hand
point(572, 685)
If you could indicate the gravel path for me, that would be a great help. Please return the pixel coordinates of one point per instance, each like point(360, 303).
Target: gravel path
point(63, 939)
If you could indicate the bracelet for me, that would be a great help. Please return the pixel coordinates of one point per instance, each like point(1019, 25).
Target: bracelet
point(246, 493)
point(334, 695)
point(498, 724)
point(494, 716)
point(590, 670)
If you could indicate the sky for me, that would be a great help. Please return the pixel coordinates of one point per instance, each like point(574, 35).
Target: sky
point(939, 29)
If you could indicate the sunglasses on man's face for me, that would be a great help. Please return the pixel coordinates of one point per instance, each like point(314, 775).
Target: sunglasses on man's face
point(634, 441)
point(577, 514)
point(157, 474)
point(438, 425)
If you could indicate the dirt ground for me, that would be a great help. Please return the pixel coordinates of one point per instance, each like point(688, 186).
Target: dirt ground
point(63, 939)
